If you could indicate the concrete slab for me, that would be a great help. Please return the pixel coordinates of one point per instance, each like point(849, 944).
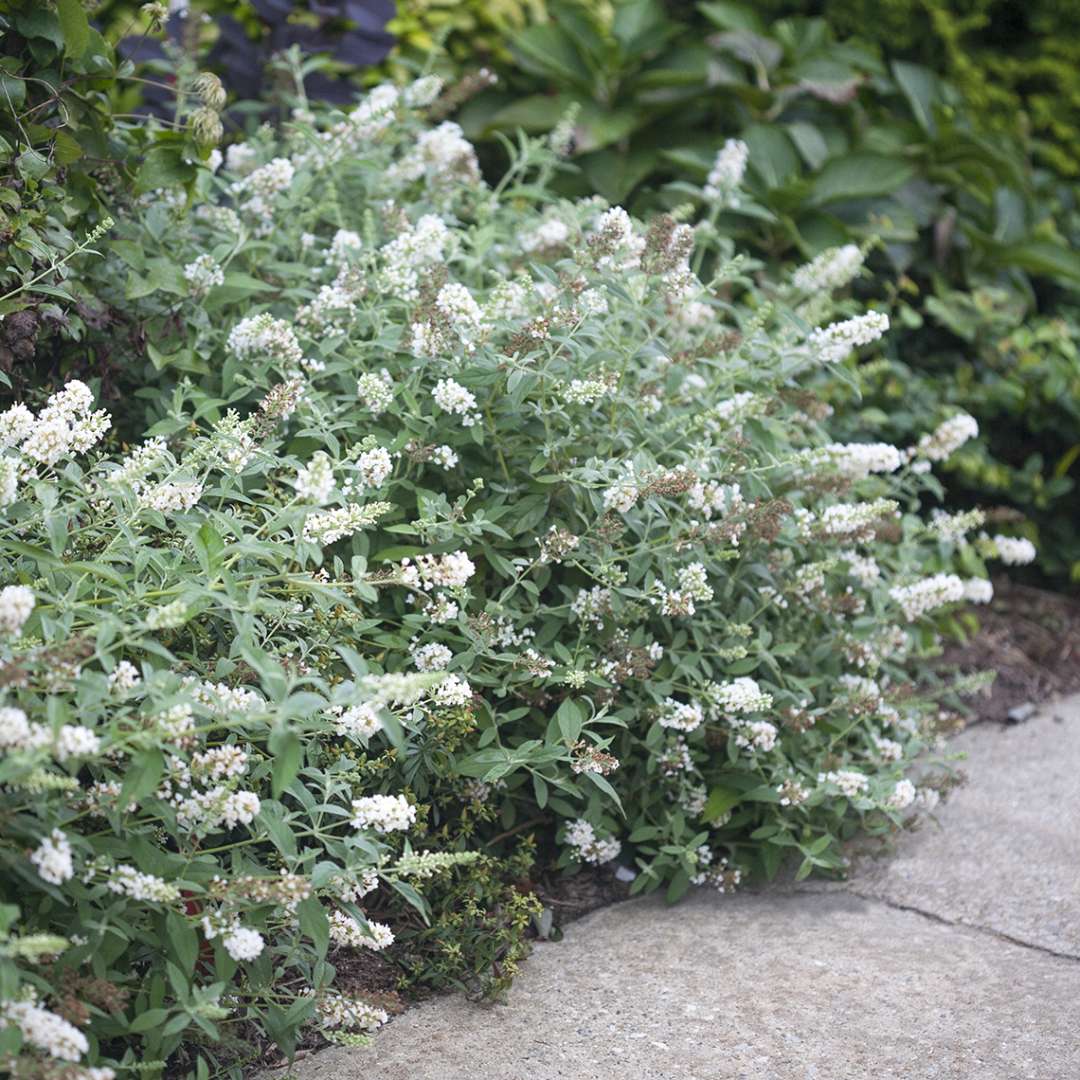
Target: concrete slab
point(956, 959)
point(1007, 857)
point(820, 986)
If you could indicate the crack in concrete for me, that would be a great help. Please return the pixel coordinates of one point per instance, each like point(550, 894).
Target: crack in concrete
point(934, 917)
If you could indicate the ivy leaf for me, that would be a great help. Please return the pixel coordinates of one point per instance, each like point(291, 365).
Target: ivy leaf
point(74, 25)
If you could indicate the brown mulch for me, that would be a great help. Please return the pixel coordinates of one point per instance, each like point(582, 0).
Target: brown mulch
point(1031, 637)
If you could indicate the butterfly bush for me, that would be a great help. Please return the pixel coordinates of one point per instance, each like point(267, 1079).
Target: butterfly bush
point(444, 515)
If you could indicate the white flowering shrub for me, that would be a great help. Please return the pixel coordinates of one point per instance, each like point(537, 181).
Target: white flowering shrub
point(444, 517)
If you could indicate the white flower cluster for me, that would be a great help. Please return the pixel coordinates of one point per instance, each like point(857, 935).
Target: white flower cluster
point(681, 715)
point(833, 343)
point(924, 596)
point(359, 721)
point(863, 568)
point(16, 605)
point(264, 336)
point(978, 591)
point(374, 467)
point(453, 398)
point(411, 252)
point(850, 782)
point(242, 943)
point(203, 274)
point(66, 425)
point(831, 270)
point(375, 391)
point(222, 699)
point(624, 490)
point(755, 735)
point(261, 188)
point(440, 156)
point(587, 846)
point(433, 656)
point(383, 813)
point(428, 572)
point(453, 692)
point(618, 246)
point(167, 498)
point(858, 460)
point(726, 174)
point(592, 605)
point(127, 881)
point(712, 499)
point(843, 519)
point(345, 930)
point(329, 526)
point(334, 1010)
point(947, 437)
point(953, 527)
point(741, 695)
point(315, 481)
point(547, 236)
point(901, 796)
point(1011, 550)
point(46, 1031)
point(53, 858)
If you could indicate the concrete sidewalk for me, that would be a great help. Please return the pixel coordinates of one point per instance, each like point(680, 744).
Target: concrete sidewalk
point(957, 958)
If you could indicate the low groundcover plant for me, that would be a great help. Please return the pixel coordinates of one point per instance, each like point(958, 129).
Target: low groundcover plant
point(459, 518)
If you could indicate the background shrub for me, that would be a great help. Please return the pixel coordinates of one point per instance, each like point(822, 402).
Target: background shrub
point(443, 531)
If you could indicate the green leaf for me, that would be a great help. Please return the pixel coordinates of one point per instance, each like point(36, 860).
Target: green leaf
point(921, 88)
point(719, 802)
point(287, 751)
point(163, 167)
point(860, 176)
point(142, 776)
point(314, 923)
point(570, 718)
point(74, 25)
point(66, 149)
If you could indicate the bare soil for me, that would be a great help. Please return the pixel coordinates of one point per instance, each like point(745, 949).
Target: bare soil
point(1031, 637)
